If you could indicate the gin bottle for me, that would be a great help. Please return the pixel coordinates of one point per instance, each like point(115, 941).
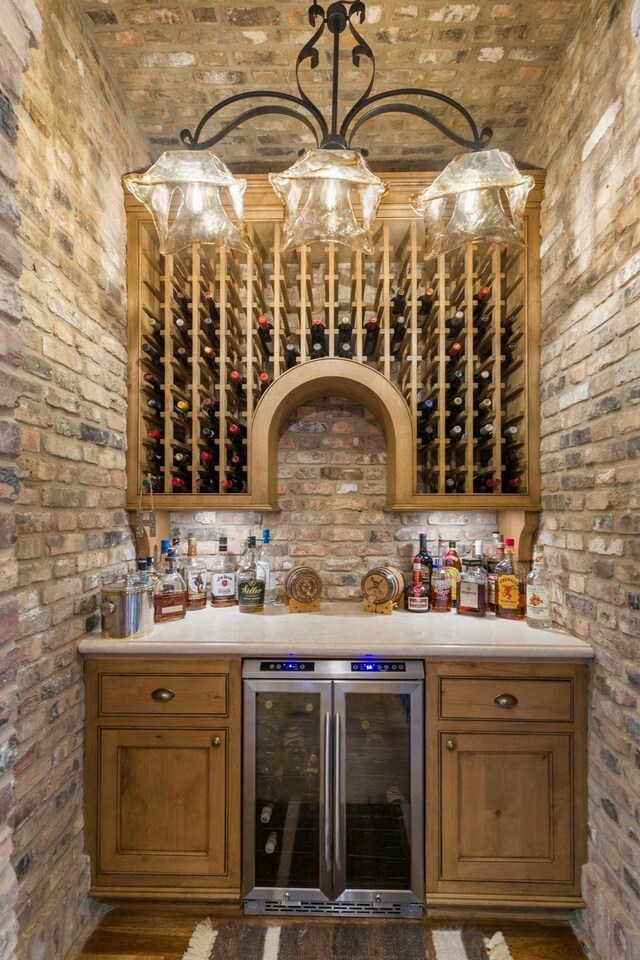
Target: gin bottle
point(538, 601)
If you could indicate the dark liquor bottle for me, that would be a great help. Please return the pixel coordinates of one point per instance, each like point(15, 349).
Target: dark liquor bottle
point(426, 560)
point(264, 332)
point(480, 302)
point(183, 302)
point(426, 302)
point(399, 327)
point(372, 331)
point(453, 566)
point(398, 303)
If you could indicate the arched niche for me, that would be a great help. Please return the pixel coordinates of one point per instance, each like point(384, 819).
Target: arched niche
point(331, 378)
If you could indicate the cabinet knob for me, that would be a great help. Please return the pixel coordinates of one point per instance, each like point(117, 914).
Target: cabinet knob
point(507, 701)
point(162, 695)
point(216, 742)
point(450, 744)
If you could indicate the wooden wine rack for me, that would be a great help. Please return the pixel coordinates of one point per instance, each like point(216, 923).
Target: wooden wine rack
point(497, 362)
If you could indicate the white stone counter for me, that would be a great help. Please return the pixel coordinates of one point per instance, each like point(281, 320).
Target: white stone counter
point(344, 630)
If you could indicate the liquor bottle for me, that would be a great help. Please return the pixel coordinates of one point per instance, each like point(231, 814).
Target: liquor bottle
point(372, 330)
point(480, 302)
point(510, 593)
point(453, 566)
point(264, 564)
point(416, 595)
point(496, 557)
point(223, 577)
point(440, 589)
point(399, 327)
point(398, 303)
point(426, 560)
point(250, 584)
point(290, 355)
point(472, 590)
point(194, 573)
point(264, 332)
point(426, 302)
point(170, 594)
point(538, 609)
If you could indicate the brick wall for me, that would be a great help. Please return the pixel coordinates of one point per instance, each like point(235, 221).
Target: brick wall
point(74, 143)
point(332, 485)
point(588, 137)
point(20, 28)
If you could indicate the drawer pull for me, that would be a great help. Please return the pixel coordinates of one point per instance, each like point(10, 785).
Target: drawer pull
point(450, 744)
point(216, 742)
point(162, 695)
point(507, 701)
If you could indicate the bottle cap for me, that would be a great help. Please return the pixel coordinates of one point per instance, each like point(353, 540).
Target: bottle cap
point(141, 563)
point(266, 536)
point(222, 542)
point(164, 546)
point(251, 541)
point(149, 563)
point(509, 541)
point(452, 544)
point(171, 553)
point(436, 563)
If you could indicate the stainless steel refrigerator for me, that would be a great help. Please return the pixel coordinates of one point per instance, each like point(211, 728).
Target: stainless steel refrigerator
point(333, 786)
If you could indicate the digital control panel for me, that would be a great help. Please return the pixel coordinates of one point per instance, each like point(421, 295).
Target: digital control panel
point(287, 666)
point(378, 666)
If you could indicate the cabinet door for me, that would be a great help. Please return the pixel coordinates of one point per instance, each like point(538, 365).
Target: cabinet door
point(506, 807)
point(163, 802)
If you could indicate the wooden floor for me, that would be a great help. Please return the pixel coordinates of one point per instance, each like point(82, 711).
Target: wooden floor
point(154, 932)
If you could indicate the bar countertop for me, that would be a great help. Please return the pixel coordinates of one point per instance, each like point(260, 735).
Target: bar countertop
point(343, 629)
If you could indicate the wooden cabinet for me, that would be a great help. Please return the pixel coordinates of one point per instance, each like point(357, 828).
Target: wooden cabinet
point(506, 791)
point(162, 778)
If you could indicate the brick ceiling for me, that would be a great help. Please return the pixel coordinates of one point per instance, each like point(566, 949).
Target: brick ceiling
point(174, 60)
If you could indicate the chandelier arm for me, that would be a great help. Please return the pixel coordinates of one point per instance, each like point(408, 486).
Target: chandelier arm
point(479, 139)
point(310, 52)
point(192, 140)
point(361, 49)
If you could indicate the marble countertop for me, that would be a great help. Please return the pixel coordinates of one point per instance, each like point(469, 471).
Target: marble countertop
point(342, 629)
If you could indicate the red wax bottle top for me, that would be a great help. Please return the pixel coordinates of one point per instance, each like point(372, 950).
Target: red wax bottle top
point(206, 457)
point(484, 293)
point(234, 429)
point(208, 402)
point(155, 435)
point(265, 378)
point(235, 375)
point(316, 321)
point(429, 291)
point(263, 321)
point(210, 352)
point(492, 482)
point(177, 483)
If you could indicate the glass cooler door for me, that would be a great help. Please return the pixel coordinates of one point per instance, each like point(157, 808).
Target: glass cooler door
point(378, 775)
point(287, 822)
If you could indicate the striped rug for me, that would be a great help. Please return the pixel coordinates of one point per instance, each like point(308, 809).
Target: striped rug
point(342, 941)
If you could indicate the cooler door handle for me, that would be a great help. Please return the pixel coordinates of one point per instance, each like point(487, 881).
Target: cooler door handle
point(337, 807)
point(326, 790)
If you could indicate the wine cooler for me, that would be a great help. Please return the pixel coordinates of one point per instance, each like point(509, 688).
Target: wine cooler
point(333, 818)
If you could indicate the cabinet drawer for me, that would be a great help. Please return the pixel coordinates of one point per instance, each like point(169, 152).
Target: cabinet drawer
point(488, 698)
point(164, 694)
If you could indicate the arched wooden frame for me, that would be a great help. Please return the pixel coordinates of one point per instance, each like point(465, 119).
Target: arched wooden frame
point(331, 378)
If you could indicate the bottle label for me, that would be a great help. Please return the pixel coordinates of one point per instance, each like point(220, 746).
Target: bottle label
point(169, 603)
point(197, 584)
point(508, 591)
point(440, 594)
point(469, 595)
point(538, 606)
point(454, 573)
point(223, 585)
point(418, 604)
point(251, 592)
point(264, 568)
point(492, 591)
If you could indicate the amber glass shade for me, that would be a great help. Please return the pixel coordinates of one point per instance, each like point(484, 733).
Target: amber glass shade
point(184, 191)
point(318, 192)
point(465, 203)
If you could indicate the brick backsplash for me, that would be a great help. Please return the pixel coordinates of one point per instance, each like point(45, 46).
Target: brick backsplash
point(588, 138)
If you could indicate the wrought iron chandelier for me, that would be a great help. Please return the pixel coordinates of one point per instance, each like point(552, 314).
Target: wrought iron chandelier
point(183, 190)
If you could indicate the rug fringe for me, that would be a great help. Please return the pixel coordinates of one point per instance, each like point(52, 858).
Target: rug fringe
point(201, 942)
point(497, 948)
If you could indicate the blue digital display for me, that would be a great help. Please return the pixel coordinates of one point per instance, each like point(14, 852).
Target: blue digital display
point(378, 666)
point(289, 666)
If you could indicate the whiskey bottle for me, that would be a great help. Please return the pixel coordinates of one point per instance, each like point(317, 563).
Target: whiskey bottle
point(472, 590)
point(416, 595)
point(426, 560)
point(538, 609)
point(440, 592)
point(194, 573)
point(223, 578)
point(170, 594)
point(250, 584)
point(510, 593)
point(453, 566)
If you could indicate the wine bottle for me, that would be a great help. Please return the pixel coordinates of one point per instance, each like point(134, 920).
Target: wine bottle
point(264, 332)
point(209, 433)
point(483, 483)
point(456, 322)
point(318, 350)
point(345, 351)
point(272, 842)
point(155, 435)
point(236, 382)
point(182, 408)
point(486, 430)
point(153, 457)
point(427, 434)
point(455, 350)
point(372, 331)
point(151, 353)
point(427, 407)
point(513, 484)
point(207, 485)
point(264, 380)
point(156, 405)
point(153, 381)
point(426, 302)
point(266, 813)
point(207, 457)
point(345, 331)
point(290, 355)
point(237, 432)
point(208, 403)
point(398, 303)
point(399, 327)
point(456, 379)
point(183, 302)
point(181, 457)
point(183, 328)
point(233, 484)
point(214, 313)
point(480, 302)
point(456, 433)
point(510, 432)
point(317, 331)
point(485, 404)
point(179, 484)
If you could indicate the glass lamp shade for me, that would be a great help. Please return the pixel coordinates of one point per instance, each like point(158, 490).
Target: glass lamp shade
point(317, 193)
point(183, 192)
point(465, 203)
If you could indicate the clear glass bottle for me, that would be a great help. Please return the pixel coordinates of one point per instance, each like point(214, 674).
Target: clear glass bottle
point(496, 557)
point(440, 591)
point(538, 596)
point(472, 590)
point(416, 595)
point(170, 595)
point(250, 582)
point(509, 586)
point(265, 568)
point(223, 577)
point(453, 566)
point(194, 573)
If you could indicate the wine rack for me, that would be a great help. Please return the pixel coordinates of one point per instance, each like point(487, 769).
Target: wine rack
point(212, 332)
